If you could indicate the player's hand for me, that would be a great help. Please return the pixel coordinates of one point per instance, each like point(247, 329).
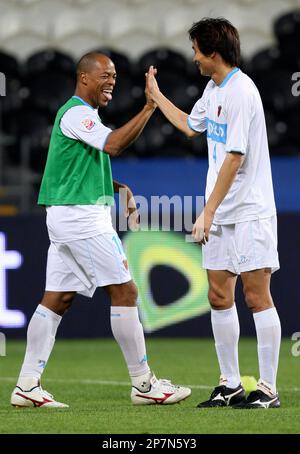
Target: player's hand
point(202, 226)
point(151, 86)
point(131, 211)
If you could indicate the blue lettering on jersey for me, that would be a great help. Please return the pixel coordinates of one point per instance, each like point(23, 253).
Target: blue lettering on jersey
point(215, 153)
point(216, 131)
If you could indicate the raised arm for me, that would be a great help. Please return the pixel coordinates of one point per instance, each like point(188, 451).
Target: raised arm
point(122, 137)
point(176, 116)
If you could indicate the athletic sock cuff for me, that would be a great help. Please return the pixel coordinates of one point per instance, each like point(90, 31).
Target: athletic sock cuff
point(124, 311)
point(266, 318)
point(224, 316)
point(44, 312)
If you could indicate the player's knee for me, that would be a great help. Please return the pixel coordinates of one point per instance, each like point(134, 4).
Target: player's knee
point(67, 298)
point(257, 301)
point(218, 300)
point(253, 300)
point(59, 303)
point(65, 303)
point(124, 295)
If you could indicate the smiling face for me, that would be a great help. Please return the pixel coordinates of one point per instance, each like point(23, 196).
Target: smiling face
point(99, 81)
point(205, 64)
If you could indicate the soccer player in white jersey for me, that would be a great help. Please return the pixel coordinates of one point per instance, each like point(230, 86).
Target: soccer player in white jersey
point(85, 251)
point(238, 227)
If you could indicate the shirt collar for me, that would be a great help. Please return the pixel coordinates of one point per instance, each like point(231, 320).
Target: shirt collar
point(229, 75)
point(82, 100)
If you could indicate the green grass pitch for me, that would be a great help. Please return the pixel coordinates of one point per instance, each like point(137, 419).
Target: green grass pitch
point(91, 376)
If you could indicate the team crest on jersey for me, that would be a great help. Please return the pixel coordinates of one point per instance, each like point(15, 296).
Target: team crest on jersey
point(88, 123)
point(219, 110)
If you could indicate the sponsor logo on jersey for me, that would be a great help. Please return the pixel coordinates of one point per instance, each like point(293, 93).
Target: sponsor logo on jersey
point(216, 131)
point(88, 123)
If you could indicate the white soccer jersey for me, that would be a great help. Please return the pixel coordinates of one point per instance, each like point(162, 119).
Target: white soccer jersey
point(73, 222)
point(233, 116)
point(83, 123)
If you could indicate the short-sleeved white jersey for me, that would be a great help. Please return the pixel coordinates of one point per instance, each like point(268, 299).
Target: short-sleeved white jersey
point(83, 123)
point(232, 114)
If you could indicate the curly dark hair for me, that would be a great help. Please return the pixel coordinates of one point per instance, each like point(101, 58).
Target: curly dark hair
point(217, 35)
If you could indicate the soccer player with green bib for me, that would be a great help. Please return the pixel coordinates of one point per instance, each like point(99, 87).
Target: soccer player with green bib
point(85, 251)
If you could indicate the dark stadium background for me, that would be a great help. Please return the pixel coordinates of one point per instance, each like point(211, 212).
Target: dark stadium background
point(162, 162)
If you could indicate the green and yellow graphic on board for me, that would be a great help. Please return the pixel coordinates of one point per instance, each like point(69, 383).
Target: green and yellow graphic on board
point(148, 249)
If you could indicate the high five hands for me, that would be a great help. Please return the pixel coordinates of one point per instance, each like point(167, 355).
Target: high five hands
point(151, 88)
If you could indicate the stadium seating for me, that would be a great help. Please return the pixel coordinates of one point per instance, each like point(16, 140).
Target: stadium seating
point(11, 68)
point(42, 81)
point(163, 59)
point(50, 90)
point(131, 26)
point(34, 125)
point(50, 60)
point(9, 65)
point(287, 32)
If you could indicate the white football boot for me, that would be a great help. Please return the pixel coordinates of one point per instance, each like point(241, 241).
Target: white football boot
point(29, 393)
point(159, 392)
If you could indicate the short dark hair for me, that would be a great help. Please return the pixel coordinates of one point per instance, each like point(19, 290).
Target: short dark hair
point(217, 35)
point(86, 62)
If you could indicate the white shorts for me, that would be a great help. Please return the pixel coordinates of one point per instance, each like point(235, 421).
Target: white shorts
point(83, 265)
point(242, 247)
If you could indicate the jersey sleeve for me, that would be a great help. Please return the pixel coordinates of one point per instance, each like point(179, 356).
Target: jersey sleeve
point(197, 118)
point(83, 123)
point(238, 119)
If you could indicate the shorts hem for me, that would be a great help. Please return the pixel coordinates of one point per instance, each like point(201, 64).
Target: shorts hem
point(216, 267)
point(89, 292)
point(245, 219)
point(274, 268)
point(53, 289)
point(260, 267)
point(115, 282)
point(220, 268)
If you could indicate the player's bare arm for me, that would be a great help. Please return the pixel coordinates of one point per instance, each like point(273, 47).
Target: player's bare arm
point(176, 116)
point(121, 138)
point(226, 177)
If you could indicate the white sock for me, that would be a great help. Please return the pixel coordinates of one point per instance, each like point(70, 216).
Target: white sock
point(226, 329)
point(268, 330)
point(41, 334)
point(128, 332)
